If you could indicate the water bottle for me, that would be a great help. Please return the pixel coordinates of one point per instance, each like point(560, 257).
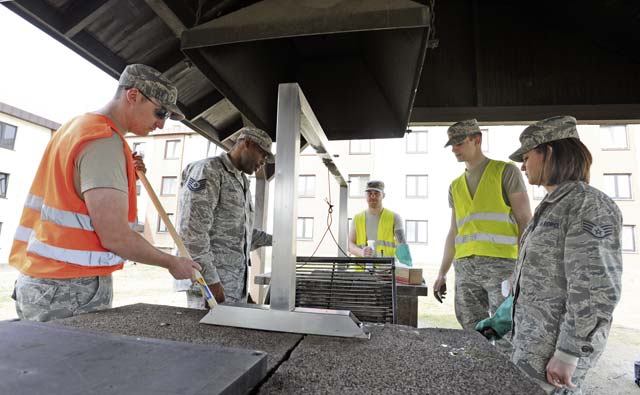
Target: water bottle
point(372, 244)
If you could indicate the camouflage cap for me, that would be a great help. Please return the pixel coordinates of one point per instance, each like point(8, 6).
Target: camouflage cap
point(460, 130)
point(550, 129)
point(153, 84)
point(375, 185)
point(261, 138)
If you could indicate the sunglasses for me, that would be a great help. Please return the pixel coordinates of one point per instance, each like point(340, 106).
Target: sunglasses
point(259, 148)
point(160, 113)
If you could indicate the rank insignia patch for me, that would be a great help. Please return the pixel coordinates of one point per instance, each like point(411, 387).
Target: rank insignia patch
point(597, 231)
point(196, 185)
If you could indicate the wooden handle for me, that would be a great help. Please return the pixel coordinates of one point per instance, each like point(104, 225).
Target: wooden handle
point(163, 214)
point(204, 288)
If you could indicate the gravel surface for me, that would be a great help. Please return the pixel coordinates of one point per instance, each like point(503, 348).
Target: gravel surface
point(397, 359)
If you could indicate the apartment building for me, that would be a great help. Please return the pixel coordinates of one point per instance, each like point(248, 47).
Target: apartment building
point(23, 139)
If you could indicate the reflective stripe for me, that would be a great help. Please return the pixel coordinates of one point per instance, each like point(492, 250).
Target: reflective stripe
point(34, 202)
point(381, 243)
point(66, 218)
point(77, 257)
point(488, 217)
point(385, 243)
point(498, 239)
point(70, 219)
point(23, 233)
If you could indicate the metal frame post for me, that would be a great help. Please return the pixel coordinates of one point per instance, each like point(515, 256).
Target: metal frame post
point(343, 222)
point(260, 222)
point(283, 280)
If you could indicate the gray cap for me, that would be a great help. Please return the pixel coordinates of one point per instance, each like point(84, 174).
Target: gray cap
point(550, 129)
point(261, 138)
point(154, 85)
point(460, 130)
point(375, 185)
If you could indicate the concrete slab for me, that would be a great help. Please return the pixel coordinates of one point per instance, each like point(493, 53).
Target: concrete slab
point(39, 358)
point(180, 324)
point(399, 360)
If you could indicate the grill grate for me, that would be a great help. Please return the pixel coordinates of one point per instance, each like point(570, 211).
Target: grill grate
point(366, 286)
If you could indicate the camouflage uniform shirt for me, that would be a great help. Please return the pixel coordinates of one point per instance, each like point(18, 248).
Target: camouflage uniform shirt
point(215, 220)
point(567, 280)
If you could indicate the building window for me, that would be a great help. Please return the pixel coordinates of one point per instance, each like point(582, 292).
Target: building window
point(357, 184)
point(359, 147)
point(171, 149)
point(629, 238)
point(4, 181)
point(139, 148)
point(7, 135)
point(305, 228)
point(213, 150)
point(485, 140)
point(417, 231)
point(417, 142)
point(614, 137)
point(618, 186)
point(307, 186)
point(417, 186)
point(168, 186)
point(138, 187)
point(162, 227)
point(539, 192)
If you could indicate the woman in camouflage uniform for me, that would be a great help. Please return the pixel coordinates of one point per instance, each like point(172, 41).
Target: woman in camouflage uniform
point(567, 279)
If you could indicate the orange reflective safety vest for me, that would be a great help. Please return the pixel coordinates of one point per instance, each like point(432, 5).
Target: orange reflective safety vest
point(55, 238)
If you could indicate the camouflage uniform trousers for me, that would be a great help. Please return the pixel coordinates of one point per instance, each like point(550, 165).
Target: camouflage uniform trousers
point(479, 291)
point(45, 299)
point(534, 366)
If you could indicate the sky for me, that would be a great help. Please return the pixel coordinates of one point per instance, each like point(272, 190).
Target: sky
point(40, 75)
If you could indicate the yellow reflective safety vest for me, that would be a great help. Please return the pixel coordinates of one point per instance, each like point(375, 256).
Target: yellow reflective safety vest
point(385, 240)
point(486, 225)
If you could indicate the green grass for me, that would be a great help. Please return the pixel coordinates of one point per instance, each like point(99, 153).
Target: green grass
point(431, 313)
point(438, 321)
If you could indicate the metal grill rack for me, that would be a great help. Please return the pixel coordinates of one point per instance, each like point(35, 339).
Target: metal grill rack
point(366, 286)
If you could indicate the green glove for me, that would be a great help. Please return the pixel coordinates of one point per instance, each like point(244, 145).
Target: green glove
point(499, 324)
point(403, 255)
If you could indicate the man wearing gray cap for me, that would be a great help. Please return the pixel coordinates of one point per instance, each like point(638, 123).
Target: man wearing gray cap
point(216, 214)
point(568, 275)
point(489, 210)
point(380, 227)
point(76, 227)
